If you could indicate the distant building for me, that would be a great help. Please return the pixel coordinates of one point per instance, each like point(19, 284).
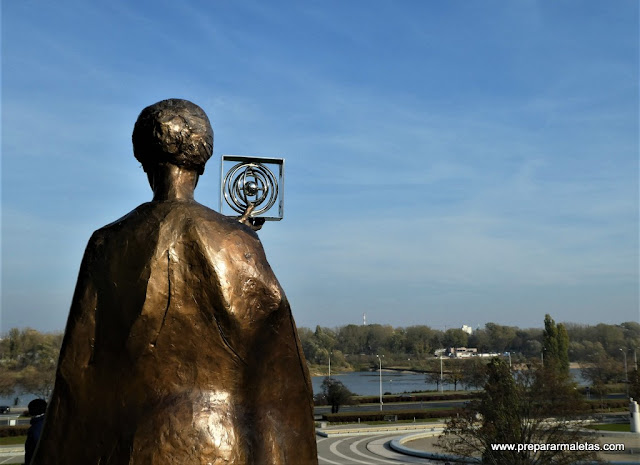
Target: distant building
point(462, 352)
point(467, 329)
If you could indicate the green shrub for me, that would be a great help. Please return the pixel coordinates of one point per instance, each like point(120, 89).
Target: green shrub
point(418, 397)
point(606, 404)
point(352, 417)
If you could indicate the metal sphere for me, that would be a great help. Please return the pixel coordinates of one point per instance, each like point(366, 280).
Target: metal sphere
point(251, 188)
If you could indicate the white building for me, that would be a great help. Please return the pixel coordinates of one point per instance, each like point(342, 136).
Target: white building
point(462, 352)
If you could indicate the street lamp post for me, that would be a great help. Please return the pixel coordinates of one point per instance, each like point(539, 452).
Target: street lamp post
point(441, 380)
point(626, 373)
point(380, 360)
point(329, 365)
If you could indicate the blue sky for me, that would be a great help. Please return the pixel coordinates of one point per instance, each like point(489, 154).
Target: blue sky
point(447, 163)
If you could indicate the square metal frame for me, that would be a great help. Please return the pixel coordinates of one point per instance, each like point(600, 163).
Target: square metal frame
point(269, 163)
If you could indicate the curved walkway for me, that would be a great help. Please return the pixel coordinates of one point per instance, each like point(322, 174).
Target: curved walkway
point(424, 445)
point(354, 444)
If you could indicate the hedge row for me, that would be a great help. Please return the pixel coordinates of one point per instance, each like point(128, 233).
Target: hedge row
point(596, 404)
point(426, 397)
point(351, 417)
point(20, 430)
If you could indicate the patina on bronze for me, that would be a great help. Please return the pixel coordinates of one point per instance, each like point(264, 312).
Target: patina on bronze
point(180, 346)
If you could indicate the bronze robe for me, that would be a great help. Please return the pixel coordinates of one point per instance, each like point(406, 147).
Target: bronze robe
point(180, 348)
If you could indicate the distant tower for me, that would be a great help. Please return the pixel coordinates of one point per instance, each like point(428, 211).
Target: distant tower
point(364, 319)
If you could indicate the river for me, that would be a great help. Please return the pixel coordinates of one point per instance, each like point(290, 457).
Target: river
point(367, 383)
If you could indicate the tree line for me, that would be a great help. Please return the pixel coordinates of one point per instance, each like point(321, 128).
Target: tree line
point(28, 357)
point(352, 346)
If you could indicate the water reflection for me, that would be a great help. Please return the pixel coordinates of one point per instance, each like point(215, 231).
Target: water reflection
point(366, 383)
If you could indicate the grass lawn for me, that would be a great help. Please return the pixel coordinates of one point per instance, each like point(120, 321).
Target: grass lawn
point(386, 423)
point(11, 440)
point(624, 427)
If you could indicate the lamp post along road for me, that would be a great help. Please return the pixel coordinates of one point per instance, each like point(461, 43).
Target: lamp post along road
point(380, 360)
point(329, 365)
point(441, 378)
point(626, 373)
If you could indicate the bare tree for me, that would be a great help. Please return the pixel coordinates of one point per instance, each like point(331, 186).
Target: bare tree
point(455, 373)
point(433, 374)
point(335, 394)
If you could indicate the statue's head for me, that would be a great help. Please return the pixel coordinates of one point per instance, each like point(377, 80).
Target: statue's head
point(173, 131)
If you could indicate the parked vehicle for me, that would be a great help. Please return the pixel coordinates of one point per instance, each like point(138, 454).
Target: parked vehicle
point(5, 409)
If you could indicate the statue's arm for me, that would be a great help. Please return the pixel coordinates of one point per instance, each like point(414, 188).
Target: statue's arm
point(254, 223)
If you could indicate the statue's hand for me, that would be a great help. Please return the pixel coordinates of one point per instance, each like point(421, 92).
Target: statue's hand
point(253, 223)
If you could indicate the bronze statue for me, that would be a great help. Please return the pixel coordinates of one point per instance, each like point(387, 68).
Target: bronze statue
point(180, 347)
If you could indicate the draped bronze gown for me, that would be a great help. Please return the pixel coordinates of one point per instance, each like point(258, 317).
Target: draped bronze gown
point(180, 348)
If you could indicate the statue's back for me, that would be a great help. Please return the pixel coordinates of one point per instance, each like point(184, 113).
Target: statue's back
point(180, 348)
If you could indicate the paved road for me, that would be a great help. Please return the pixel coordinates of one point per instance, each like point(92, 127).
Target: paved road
point(370, 449)
point(11, 455)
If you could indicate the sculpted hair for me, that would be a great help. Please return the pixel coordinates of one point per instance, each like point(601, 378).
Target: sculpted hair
point(173, 131)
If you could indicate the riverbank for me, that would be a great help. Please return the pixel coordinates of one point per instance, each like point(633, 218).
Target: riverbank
point(323, 370)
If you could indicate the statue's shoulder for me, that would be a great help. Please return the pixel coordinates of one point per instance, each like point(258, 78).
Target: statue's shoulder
point(141, 217)
point(214, 225)
point(179, 216)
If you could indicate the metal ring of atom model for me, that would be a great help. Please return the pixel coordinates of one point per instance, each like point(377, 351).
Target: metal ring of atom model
point(250, 184)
